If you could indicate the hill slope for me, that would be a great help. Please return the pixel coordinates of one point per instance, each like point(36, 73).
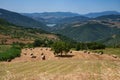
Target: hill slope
point(112, 41)
point(19, 19)
point(89, 31)
point(10, 33)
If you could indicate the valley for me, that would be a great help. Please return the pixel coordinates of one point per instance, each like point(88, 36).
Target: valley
point(74, 46)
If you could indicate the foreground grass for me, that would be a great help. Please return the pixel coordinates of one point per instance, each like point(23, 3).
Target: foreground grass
point(67, 69)
point(110, 51)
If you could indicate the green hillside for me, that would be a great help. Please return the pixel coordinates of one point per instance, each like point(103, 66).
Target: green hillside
point(91, 31)
point(21, 20)
point(112, 41)
point(10, 32)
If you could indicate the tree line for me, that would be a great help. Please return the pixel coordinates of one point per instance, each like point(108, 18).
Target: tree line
point(60, 47)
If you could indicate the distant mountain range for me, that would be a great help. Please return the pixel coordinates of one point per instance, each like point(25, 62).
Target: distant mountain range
point(50, 17)
point(97, 14)
point(106, 17)
point(73, 19)
point(63, 17)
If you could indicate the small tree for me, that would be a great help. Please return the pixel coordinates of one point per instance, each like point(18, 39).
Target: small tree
point(37, 43)
point(61, 47)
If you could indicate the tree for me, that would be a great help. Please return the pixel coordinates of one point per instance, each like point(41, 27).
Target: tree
point(60, 47)
point(77, 47)
point(37, 43)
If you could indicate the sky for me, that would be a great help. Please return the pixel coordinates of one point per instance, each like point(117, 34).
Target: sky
point(76, 6)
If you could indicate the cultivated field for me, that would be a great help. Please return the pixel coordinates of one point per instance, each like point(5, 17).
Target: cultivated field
point(79, 66)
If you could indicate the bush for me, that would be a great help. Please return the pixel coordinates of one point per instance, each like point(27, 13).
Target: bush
point(44, 43)
point(37, 43)
point(18, 45)
point(92, 46)
point(10, 54)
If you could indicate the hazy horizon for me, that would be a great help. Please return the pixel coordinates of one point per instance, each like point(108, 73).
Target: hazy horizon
point(78, 6)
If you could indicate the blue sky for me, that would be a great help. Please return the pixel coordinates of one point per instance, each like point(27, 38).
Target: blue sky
point(77, 6)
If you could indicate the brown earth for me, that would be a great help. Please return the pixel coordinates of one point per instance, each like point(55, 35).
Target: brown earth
point(27, 53)
point(75, 66)
point(9, 40)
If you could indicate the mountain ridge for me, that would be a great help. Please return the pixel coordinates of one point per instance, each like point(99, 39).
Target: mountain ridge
point(19, 19)
point(97, 14)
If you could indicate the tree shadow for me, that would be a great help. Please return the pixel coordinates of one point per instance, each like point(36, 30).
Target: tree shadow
point(64, 56)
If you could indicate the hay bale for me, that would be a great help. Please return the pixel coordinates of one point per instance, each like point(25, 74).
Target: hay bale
point(85, 51)
point(70, 51)
point(8, 60)
point(100, 52)
point(33, 56)
point(114, 56)
point(88, 52)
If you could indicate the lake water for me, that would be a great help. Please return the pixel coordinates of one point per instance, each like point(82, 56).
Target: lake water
point(50, 25)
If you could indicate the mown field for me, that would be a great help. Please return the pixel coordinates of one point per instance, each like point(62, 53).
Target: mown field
point(62, 69)
point(67, 69)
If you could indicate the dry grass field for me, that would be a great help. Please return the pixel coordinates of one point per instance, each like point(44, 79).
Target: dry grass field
point(81, 66)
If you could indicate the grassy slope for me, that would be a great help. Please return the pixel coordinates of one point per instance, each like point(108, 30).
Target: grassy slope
point(61, 70)
point(88, 32)
point(115, 51)
point(110, 51)
point(91, 31)
point(21, 20)
point(12, 32)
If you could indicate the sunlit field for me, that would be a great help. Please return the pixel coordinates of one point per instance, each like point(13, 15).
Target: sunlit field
point(80, 67)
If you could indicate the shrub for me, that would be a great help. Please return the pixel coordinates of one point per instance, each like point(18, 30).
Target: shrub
point(37, 43)
point(10, 54)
